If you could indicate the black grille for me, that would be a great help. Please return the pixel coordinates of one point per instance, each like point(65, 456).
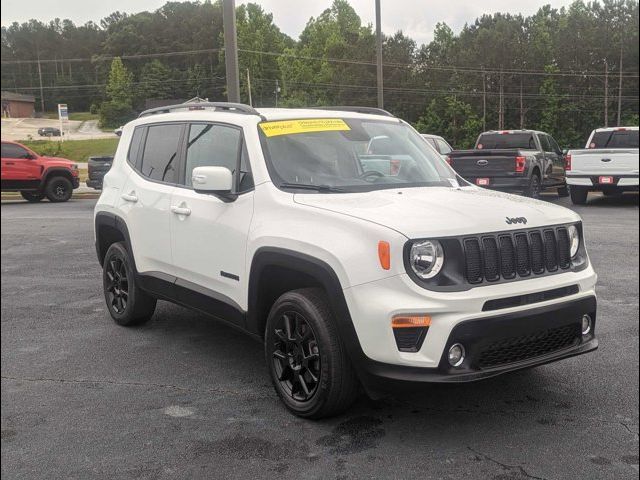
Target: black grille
point(516, 349)
point(491, 259)
point(474, 260)
point(507, 256)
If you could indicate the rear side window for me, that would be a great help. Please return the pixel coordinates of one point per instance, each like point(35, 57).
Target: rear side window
point(9, 150)
point(522, 141)
point(443, 147)
point(545, 143)
point(160, 157)
point(134, 146)
point(615, 139)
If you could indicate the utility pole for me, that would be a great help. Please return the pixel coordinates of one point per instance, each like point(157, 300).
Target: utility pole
point(277, 91)
point(379, 55)
point(521, 104)
point(40, 77)
point(249, 87)
point(484, 100)
point(501, 103)
point(620, 88)
point(606, 93)
point(231, 50)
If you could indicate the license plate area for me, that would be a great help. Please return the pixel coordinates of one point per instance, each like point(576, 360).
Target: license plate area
point(483, 182)
point(606, 180)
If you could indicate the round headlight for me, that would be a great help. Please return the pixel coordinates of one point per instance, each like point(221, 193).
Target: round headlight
point(426, 258)
point(574, 240)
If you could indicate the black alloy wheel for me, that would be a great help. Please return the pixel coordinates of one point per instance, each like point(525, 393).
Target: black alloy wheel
point(296, 356)
point(127, 303)
point(117, 287)
point(59, 189)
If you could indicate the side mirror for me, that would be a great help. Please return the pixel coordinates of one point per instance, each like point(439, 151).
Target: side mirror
point(29, 156)
point(565, 151)
point(214, 180)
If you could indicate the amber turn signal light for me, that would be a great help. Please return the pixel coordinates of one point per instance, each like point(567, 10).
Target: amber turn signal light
point(407, 321)
point(384, 254)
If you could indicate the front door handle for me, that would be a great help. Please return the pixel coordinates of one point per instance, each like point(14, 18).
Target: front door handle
point(10, 163)
point(181, 210)
point(130, 197)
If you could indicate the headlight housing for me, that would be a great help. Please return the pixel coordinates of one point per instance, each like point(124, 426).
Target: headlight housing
point(426, 258)
point(574, 240)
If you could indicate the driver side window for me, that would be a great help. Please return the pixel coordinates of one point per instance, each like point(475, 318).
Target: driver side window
point(10, 150)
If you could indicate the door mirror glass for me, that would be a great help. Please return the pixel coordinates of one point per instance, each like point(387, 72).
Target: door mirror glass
point(212, 180)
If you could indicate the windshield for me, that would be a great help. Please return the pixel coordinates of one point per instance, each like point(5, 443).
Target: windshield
point(350, 155)
point(521, 141)
point(615, 139)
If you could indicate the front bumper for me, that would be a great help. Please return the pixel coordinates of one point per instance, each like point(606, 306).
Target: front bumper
point(497, 345)
point(75, 182)
point(371, 307)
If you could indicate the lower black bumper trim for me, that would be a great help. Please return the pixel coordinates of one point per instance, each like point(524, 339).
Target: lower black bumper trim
point(476, 335)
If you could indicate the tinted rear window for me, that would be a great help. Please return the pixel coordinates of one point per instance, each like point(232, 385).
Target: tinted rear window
point(160, 157)
point(523, 141)
point(615, 139)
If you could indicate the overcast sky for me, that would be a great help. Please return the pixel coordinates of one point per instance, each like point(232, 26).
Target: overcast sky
point(415, 17)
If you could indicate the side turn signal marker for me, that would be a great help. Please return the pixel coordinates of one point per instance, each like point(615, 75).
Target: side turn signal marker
point(405, 321)
point(384, 254)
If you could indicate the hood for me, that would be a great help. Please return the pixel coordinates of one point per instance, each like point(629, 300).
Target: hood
point(442, 212)
point(58, 161)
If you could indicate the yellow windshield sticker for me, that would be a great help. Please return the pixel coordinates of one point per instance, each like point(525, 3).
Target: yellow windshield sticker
point(307, 125)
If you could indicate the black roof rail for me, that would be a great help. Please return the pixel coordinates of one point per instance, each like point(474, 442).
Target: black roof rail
point(224, 106)
point(367, 110)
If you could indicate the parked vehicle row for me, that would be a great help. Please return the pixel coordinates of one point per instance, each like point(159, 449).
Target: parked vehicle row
point(341, 240)
point(37, 176)
point(529, 162)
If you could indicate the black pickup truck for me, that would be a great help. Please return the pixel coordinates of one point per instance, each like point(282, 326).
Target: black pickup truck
point(97, 168)
point(519, 161)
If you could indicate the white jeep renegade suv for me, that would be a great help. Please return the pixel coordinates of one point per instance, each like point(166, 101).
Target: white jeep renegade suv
point(356, 262)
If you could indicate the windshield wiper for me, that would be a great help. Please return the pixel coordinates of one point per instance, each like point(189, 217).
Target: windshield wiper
point(317, 188)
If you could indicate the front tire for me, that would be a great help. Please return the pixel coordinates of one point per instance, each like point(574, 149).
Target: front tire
point(579, 195)
point(58, 189)
point(128, 305)
point(308, 363)
point(32, 197)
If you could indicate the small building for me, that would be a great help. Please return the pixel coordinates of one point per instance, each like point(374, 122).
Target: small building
point(17, 105)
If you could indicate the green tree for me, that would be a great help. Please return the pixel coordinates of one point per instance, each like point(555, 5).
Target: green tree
point(119, 85)
point(155, 81)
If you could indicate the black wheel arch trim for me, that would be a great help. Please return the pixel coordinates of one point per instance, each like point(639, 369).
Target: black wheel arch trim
point(55, 171)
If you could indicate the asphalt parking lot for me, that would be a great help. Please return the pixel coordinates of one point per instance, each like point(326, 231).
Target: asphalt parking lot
point(187, 397)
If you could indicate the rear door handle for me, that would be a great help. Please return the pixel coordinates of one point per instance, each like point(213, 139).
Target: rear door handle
point(130, 197)
point(181, 210)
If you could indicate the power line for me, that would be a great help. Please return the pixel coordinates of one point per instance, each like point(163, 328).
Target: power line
point(417, 64)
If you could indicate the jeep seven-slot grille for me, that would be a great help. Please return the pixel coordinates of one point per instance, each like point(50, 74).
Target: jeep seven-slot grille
point(493, 257)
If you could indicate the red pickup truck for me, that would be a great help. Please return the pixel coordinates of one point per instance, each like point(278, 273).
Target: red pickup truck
point(36, 176)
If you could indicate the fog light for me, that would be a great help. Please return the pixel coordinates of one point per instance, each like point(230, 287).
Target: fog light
point(586, 324)
point(456, 355)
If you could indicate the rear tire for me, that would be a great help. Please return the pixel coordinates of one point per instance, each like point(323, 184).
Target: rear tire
point(563, 192)
point(579, 195)
point(308, 363)
point(128, 305)
point(32, 197)
point(535, 186)
point(58, 189)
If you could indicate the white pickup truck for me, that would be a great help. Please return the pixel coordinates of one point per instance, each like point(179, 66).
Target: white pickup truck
point(609, 164)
